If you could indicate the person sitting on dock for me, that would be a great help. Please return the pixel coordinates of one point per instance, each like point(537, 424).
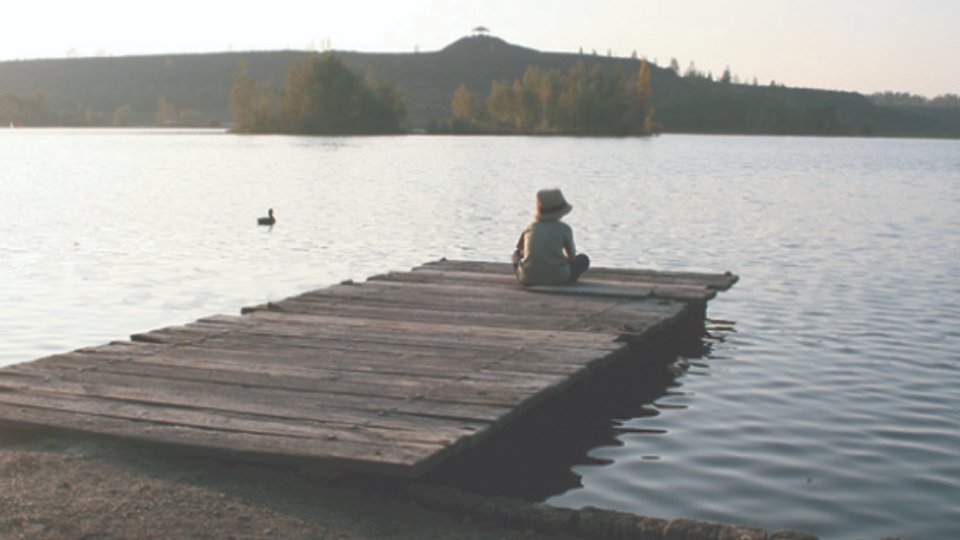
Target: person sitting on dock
point(546, 253)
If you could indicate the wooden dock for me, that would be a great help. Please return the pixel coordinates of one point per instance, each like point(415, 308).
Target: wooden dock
point(392, 375)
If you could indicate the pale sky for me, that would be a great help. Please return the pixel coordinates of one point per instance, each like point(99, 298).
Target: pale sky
point(861, 45)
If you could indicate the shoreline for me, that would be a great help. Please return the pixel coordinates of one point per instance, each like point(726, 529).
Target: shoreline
point(55, 486)
point(426, 133)
point(64, 487)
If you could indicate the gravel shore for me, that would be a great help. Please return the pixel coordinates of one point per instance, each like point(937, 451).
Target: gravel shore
point(74, 487)
point(64, 487)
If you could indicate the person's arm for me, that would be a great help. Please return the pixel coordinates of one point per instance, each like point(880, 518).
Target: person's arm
point(518, 252)
point(569, 247)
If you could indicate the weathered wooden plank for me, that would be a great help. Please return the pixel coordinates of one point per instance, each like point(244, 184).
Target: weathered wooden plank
point(296, 372)
point(352, 435)
point(585, 314)
point(454, 314)
point(542, 308)
point(140, 396)
point(296, 364)
point(393, 345)
point(465, 311)
point(399, 385)
point(593, 286)
point(313, 324)
point(297, 330)
point(444, 296)
point(390, 375)
point(382, 357)
point(141, 373)
point(720, 281)
point(309, 353)
point(373, 316)
point(656, 284)
point(618, 289)
point(393, 356)
point(248, 401)
point(474, 388)
point(499, 280)
point(386, 459)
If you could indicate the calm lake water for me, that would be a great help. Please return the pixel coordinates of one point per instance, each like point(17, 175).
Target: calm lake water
point(828, 400)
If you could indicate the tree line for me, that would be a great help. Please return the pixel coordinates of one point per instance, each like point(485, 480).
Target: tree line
point(905, 99)
point(16, 110)
point(36, 110)
point(320, 96)
point(577, 102)
point(196, 91)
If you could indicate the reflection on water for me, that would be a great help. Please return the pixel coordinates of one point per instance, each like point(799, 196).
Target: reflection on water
point(831, 404)
point(535, 457)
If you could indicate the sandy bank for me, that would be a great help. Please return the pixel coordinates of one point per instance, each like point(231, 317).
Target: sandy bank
point(52, 488)
point(65, 487)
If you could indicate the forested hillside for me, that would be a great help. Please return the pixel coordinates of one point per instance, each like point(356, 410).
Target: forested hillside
point(195, 90)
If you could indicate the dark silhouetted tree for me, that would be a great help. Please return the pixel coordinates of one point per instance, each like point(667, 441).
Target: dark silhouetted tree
point(166, 114)
point(544, 101)
point(462, 104)
point(726, 78)
point(320, 96)
point(243, 98)
point(123, 116)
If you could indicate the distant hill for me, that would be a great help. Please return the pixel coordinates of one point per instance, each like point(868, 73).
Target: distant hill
point(198, 82)
point(82, 90)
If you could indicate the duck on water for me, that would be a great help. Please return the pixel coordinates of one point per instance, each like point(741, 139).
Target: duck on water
point(269, 220)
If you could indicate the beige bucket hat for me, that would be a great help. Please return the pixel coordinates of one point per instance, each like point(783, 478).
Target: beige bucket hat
point(551, 205)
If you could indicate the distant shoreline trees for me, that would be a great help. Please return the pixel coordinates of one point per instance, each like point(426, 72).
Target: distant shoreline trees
point(904, 99)
point(15, 110)
point(194, 91)
point(320, 96)
point(36, 111)
point(548, 102)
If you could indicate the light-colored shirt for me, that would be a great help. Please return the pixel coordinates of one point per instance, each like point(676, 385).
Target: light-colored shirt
point(546, 246)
